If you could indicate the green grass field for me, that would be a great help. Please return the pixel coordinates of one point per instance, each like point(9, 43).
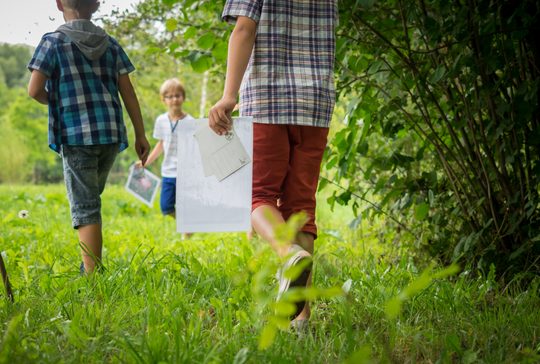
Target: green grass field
point(210, 299)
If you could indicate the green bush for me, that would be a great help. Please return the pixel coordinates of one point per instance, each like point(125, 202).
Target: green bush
point(442, 128)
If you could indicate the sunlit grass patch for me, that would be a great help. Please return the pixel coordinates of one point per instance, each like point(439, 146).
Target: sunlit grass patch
point(211, 298)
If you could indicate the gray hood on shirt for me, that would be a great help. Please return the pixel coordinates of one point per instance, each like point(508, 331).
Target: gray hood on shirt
point(91, 40)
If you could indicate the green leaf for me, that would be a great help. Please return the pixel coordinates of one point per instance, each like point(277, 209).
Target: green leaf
point(268, 336)
point(206, 41)
point(283, 308)
point(331, 292)
point(452, 342)
point(365, 3)
point(418, 285)
point(365, 128)
point(181, 54)
point(190, 33)
point(295, 270)
point(332, 161)
point(421, 211)
point(362, 148)
point(361, 356)
point(331, 200)
point(241, 356)
point(220, 51)
point(446, 272)
point(437, 75)
point(323, 182)
point(469, 357)
point(195, 265)
point(393, 308)
point(171, 25)
point(280, 322)
point(173, 46)
point(344, 198)
point(153, 50)
point(201, 63)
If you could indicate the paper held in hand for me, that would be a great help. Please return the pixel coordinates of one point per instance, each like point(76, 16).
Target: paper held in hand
point(143, 184)
point(213, 186)
point(221, 155)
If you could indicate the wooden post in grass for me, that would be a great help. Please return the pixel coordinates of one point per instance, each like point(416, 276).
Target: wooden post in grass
point(6, 279)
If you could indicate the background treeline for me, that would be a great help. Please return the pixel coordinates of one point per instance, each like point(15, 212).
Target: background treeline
point(436, 128)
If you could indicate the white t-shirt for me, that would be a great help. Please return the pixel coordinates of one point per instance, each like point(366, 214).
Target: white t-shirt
point(165, 129)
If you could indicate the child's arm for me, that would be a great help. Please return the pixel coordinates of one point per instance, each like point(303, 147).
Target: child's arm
point(154, 154)
point(240, 48)
point(132, 106)
point(36, 87)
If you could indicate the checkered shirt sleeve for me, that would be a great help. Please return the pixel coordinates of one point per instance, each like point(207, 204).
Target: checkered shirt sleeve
point(124, 65)
point(43, 59)
point(248, 8)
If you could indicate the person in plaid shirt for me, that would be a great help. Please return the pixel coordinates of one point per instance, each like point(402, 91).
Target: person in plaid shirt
point(281, 58)
point(79, 71)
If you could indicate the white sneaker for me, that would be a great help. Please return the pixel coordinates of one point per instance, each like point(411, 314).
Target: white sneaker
point(299, 255)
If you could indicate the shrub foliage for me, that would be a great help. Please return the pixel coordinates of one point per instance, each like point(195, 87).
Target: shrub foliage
point(442, 124)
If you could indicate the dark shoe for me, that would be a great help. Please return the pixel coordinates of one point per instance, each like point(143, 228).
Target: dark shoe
point(300, 257)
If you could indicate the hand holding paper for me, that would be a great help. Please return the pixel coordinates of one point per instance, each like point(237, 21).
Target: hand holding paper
point(143, 184)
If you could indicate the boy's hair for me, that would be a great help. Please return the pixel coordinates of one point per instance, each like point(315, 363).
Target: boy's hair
point(78, 4)
point(172, 84)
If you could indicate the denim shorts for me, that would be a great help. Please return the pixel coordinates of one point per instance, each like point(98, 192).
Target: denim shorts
point(86, 168)
point(167, 200)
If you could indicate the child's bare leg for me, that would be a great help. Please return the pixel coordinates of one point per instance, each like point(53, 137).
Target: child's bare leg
point(265, 227)
point(184, 235)
point(91, 237)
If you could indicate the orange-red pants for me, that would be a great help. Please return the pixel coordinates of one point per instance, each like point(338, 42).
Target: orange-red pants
point(286, 166)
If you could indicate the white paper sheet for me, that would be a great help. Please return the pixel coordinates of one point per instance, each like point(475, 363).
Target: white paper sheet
point(222, 155)
point(203, 202)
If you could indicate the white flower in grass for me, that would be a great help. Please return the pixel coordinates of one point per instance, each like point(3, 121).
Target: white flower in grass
point(23, 214)
point(347, 286)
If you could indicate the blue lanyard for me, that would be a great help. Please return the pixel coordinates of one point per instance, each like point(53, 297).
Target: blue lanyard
point(173, 128)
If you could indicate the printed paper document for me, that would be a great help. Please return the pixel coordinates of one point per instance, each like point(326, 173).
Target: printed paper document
point(143, 184)
point(221, 155)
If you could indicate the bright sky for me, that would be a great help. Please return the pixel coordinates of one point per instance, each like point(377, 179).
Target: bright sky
point(25, 21)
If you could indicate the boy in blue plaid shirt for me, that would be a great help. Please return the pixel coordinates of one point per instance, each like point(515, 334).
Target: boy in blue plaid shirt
point(79, 72)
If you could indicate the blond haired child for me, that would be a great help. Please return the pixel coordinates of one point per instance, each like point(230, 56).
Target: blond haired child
point(172, 95)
